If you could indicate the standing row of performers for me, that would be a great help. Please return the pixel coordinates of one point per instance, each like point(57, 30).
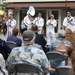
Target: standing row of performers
point(28, 21)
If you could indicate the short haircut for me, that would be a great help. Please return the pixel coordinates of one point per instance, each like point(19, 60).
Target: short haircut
point(28, 35)
point(34, 28)
point(15, 31)
point(68, 12)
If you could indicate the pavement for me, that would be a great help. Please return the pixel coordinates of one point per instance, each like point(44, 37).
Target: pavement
point(4, 37)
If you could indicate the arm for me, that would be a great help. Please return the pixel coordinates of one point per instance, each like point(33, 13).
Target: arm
point(43, 40)
point(45, 63)
point(11, 59)
point(34, 21)
point(2, 61)
point(8, 22)
point(42, 22)
point(19, 42)
point(6, 47)
point(64, 22)
point(26, 22)
point(73, 22)
point(54, 24)
point(13, 23)
point(47, 24)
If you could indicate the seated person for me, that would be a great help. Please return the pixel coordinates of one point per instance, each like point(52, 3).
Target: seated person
point(71, 60)
point(28, 53)
point(68, 62)
point(14, 37)
point(3, 70)
point(39, 38)
point(61, 38)
point(4, 49)
point(70, 37)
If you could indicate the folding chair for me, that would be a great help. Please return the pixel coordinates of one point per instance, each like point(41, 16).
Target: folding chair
point(11, 44)
point(27, 68)
point(53, 55)
point(55, 58)
point(64, 70)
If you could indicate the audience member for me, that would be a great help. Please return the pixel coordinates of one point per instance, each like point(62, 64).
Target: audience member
point(61, 38)
point(11, 23)
point(70, 37)
point(69, 52)
point(4, 49)
point(28, 53)
point(39, 39)
point(3, 70)
point(14, 37)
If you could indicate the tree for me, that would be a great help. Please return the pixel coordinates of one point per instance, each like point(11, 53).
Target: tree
point(3, 6)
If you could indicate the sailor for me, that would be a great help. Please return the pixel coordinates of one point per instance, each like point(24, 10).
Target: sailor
point(28, 18)
point(39, 21)
point(51, 24)
point(28, 21)
point(68, 22)
point(11, 23)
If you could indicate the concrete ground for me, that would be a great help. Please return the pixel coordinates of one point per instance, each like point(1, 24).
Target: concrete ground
point(4, 37)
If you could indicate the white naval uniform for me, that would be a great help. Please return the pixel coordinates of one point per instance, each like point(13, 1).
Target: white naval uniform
point(51, 30)
point(12, 25)
point(69, 25)
point(28, 22)
point(40, 23)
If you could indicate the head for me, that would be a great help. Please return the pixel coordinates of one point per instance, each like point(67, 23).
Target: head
point(52, 16)
point(34, 28)
point(39, 14)
point(29, 16)
point(28, 37)
point(70, 36)
point(10, 16)
point(61, 34)
point(68, 14)
point(15, 31)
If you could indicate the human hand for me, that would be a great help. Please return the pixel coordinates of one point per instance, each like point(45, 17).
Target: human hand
point(69, 21)
point(50, 23)
point(39, 26)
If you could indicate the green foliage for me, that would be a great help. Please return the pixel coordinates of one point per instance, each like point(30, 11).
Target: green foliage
point(3, 6)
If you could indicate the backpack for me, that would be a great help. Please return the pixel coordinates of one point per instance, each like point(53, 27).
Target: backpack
point(23, 25)
point(61, 47)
